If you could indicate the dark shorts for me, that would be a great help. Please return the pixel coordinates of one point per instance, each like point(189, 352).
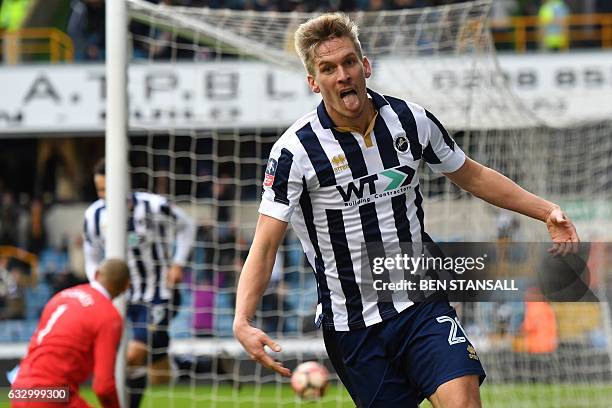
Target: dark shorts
point(150, 324)
point(404, 359)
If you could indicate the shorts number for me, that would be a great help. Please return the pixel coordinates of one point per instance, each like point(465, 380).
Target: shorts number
point(54, 316)
point(452, 335)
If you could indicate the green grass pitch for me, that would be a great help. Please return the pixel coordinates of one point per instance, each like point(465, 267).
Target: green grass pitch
point(281, 395)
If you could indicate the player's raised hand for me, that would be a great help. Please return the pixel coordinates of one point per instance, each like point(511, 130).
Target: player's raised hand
point(254, 340)
point(562, 232)
point(175, 275)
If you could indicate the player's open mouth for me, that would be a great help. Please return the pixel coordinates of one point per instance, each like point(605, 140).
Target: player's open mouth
point(347, 92)
point(350, 99)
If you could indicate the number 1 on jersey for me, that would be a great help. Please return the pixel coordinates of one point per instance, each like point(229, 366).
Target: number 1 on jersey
point(54, 316)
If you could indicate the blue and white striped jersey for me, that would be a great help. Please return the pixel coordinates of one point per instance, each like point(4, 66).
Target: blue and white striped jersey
point(342, 189)
point(159, 234)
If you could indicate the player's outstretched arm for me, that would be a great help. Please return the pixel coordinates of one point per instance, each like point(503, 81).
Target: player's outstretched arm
point(500, 191)
point(251, 286)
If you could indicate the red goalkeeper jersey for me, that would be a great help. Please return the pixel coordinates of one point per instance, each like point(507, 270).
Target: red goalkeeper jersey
point(78, 334)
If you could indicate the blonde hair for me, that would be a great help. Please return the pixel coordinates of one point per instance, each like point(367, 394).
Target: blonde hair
point(316, 31)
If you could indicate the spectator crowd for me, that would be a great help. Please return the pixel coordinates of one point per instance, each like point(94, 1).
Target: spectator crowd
point(86, 25)
point(86, 20)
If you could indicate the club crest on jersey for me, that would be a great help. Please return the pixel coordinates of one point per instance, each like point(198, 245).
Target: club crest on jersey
point(401, 144)
point(270, 172)
point(134, 239)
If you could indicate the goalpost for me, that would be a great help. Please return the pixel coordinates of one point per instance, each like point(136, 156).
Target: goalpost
point(222, 85)
point(116, 146)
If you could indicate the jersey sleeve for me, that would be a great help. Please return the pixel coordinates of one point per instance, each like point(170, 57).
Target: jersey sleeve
point(105, 351)
point(441, 153)
point(282, 184)
point(93, 247)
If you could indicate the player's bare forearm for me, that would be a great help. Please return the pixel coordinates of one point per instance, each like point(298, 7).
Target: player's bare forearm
point(258, 267)
point(253, 281)
point(251, 286)
point(500, 191)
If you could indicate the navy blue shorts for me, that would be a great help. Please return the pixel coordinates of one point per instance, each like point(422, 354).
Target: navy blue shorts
point(404, 359)
point(150, 324)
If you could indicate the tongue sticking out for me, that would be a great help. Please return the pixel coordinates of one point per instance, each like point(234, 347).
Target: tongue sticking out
point(350, 100)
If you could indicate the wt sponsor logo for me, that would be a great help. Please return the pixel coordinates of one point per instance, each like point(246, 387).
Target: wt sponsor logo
point(387, 182)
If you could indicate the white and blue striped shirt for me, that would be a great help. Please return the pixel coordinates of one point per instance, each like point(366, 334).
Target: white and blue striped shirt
point(159, 234)
point(340, 190)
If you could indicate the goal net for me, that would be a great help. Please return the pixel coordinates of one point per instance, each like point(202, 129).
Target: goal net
point(222, 85)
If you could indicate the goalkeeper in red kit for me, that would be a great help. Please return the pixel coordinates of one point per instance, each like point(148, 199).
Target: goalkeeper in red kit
point(78, 334)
